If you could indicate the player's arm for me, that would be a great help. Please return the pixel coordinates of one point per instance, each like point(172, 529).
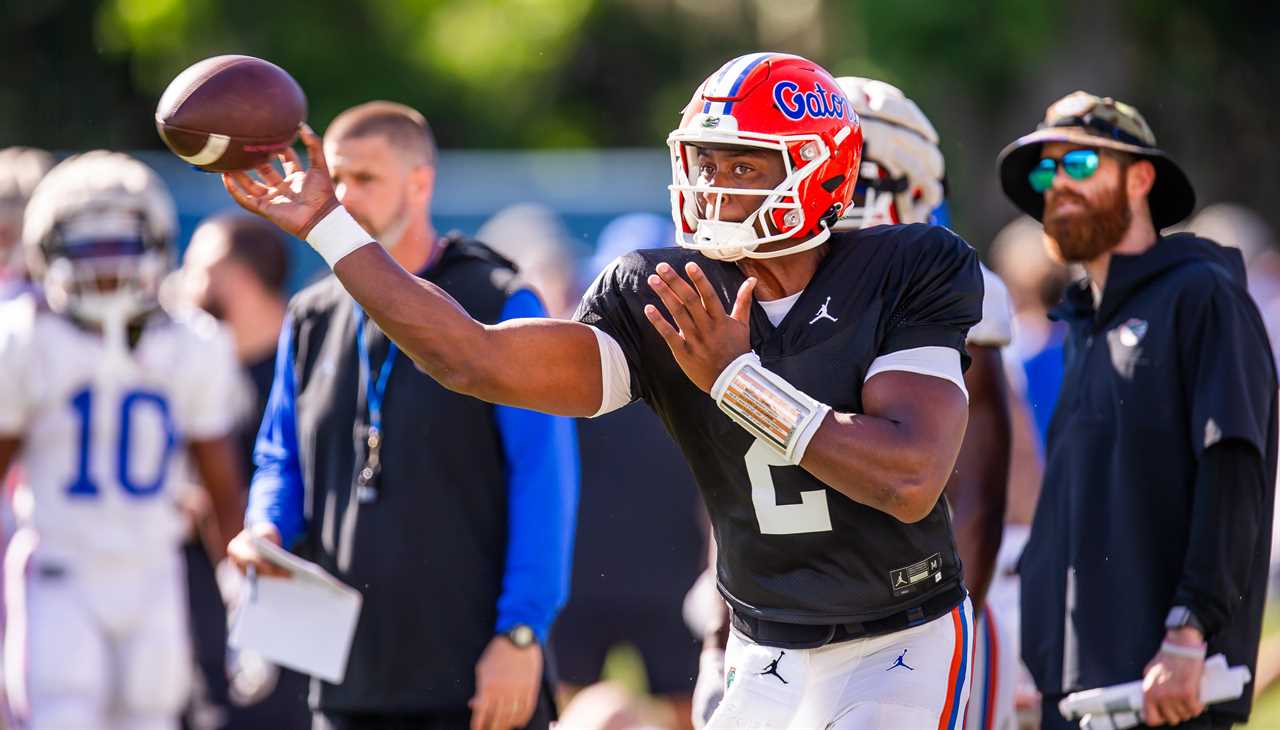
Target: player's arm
point(217, 462)
point(977, 488)
point(896, 456)
point(9, 448)
point(545, 365)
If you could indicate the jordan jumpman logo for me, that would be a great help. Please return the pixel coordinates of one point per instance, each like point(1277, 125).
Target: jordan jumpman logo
point(900, 663)
point(773, 668)
point(822, 312)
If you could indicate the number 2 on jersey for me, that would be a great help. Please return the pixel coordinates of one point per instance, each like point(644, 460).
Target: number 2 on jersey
point(83, 485)
point(811, 515)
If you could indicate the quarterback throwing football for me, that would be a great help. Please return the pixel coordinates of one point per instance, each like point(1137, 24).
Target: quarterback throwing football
point(812, 379)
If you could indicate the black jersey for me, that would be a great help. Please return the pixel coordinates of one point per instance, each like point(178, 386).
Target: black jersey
point(792, 549)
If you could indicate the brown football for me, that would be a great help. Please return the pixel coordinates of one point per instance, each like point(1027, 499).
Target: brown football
point(230, 113)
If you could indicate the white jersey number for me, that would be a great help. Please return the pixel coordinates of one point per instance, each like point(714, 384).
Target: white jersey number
point(83, 485)
point(811, 515)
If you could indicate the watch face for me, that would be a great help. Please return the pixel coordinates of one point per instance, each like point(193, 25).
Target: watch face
point(521, 636)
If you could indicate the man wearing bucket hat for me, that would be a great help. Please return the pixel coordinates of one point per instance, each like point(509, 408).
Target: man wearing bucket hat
point(1148, 546)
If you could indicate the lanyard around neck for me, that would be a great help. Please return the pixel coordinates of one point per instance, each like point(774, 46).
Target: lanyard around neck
point(374, 389)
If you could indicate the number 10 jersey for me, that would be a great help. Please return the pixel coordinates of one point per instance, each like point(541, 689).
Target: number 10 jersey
point(104, 433)
point(792, 549)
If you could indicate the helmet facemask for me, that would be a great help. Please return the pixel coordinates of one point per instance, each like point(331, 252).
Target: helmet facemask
point(875, 198)
point(100, 267)
point(780, 215)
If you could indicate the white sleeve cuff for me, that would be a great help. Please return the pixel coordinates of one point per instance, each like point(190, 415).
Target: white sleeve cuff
point(996, 327)
point(336, 235)
point(940, 362)
point(615, 374)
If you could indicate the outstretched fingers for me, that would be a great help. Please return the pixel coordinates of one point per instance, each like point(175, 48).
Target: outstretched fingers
point(269, 174)
point(710, 301)
point(668, 333)
point(674, 303)
point(686, 295)
point(315, 149)
point(289, 161)
point(246, 191)
point(742, 304)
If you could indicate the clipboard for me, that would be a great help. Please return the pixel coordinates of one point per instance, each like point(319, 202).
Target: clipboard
point(305, 622)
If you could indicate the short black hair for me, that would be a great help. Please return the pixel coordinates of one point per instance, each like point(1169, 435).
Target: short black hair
point(260, 246)
point(402, 126)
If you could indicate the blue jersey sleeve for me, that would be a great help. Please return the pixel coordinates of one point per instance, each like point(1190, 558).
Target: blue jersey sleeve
point(542, 488)
point(276, 494)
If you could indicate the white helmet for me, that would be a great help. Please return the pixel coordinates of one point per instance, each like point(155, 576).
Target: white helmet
point(97, 233)
point(900, 180)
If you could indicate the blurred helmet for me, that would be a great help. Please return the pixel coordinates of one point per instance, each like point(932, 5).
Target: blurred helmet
point(535, 239)
point(770, 101)
point(900, 179)
point(97, 233)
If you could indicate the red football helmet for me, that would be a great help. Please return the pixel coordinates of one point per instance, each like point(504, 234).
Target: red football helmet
point(769, 101)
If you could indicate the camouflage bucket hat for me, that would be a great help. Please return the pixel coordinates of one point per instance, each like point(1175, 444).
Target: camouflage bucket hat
point(1084, 119)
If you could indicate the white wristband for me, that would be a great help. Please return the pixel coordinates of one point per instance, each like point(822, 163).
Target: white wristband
point(336, 235)
point(1188, 652)
point(770, 408)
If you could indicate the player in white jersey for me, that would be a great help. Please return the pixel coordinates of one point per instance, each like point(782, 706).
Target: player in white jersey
point(902, 175)
point(104, 397)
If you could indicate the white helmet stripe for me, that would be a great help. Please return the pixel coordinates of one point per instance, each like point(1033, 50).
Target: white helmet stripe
point(730, 75)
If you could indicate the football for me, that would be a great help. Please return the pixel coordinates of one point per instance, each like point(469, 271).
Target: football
point(230, 113)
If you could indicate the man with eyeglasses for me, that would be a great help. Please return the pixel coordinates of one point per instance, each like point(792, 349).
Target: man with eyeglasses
point(1148, 548)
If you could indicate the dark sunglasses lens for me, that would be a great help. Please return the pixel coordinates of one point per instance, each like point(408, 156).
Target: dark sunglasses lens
point(1080, 164)
point(1041, 177)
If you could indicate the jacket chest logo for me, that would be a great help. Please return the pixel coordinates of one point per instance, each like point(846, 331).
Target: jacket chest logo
point(1131, 332)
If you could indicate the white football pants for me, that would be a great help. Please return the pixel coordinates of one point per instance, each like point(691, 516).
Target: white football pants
point(914, 679)
point(95, 645)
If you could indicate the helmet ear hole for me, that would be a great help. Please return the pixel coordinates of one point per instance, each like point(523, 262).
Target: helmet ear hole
point(832, 184)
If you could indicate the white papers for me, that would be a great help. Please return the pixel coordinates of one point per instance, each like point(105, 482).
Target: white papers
point(304, 622)
point(1120, 706)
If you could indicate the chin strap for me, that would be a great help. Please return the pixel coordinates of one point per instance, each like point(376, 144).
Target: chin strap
point(731, 253)
point(768, 407)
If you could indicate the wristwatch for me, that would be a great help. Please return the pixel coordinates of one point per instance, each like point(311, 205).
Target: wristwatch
point(1181, 617)
point(522, 636)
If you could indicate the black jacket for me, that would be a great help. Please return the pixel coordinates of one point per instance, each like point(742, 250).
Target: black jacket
point(429, 555)
point(1171, 371)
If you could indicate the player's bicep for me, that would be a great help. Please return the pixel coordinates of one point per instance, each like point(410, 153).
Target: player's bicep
point(931, 409)
point(547, 365)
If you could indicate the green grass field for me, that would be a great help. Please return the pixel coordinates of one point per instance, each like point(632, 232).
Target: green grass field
point(1266, 711)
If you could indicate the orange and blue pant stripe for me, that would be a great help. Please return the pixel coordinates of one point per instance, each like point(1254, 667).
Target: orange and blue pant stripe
point(953, 709)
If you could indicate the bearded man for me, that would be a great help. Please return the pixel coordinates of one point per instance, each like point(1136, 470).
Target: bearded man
point(1148, 547)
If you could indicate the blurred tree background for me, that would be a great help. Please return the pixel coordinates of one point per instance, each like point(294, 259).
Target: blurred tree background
point(509, 74)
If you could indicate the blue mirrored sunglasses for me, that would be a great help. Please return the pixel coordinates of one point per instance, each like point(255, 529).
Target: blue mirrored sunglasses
point(1079, 164)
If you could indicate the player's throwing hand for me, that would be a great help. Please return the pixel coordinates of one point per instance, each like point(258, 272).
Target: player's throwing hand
point(708, 338)
point(295, 201)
